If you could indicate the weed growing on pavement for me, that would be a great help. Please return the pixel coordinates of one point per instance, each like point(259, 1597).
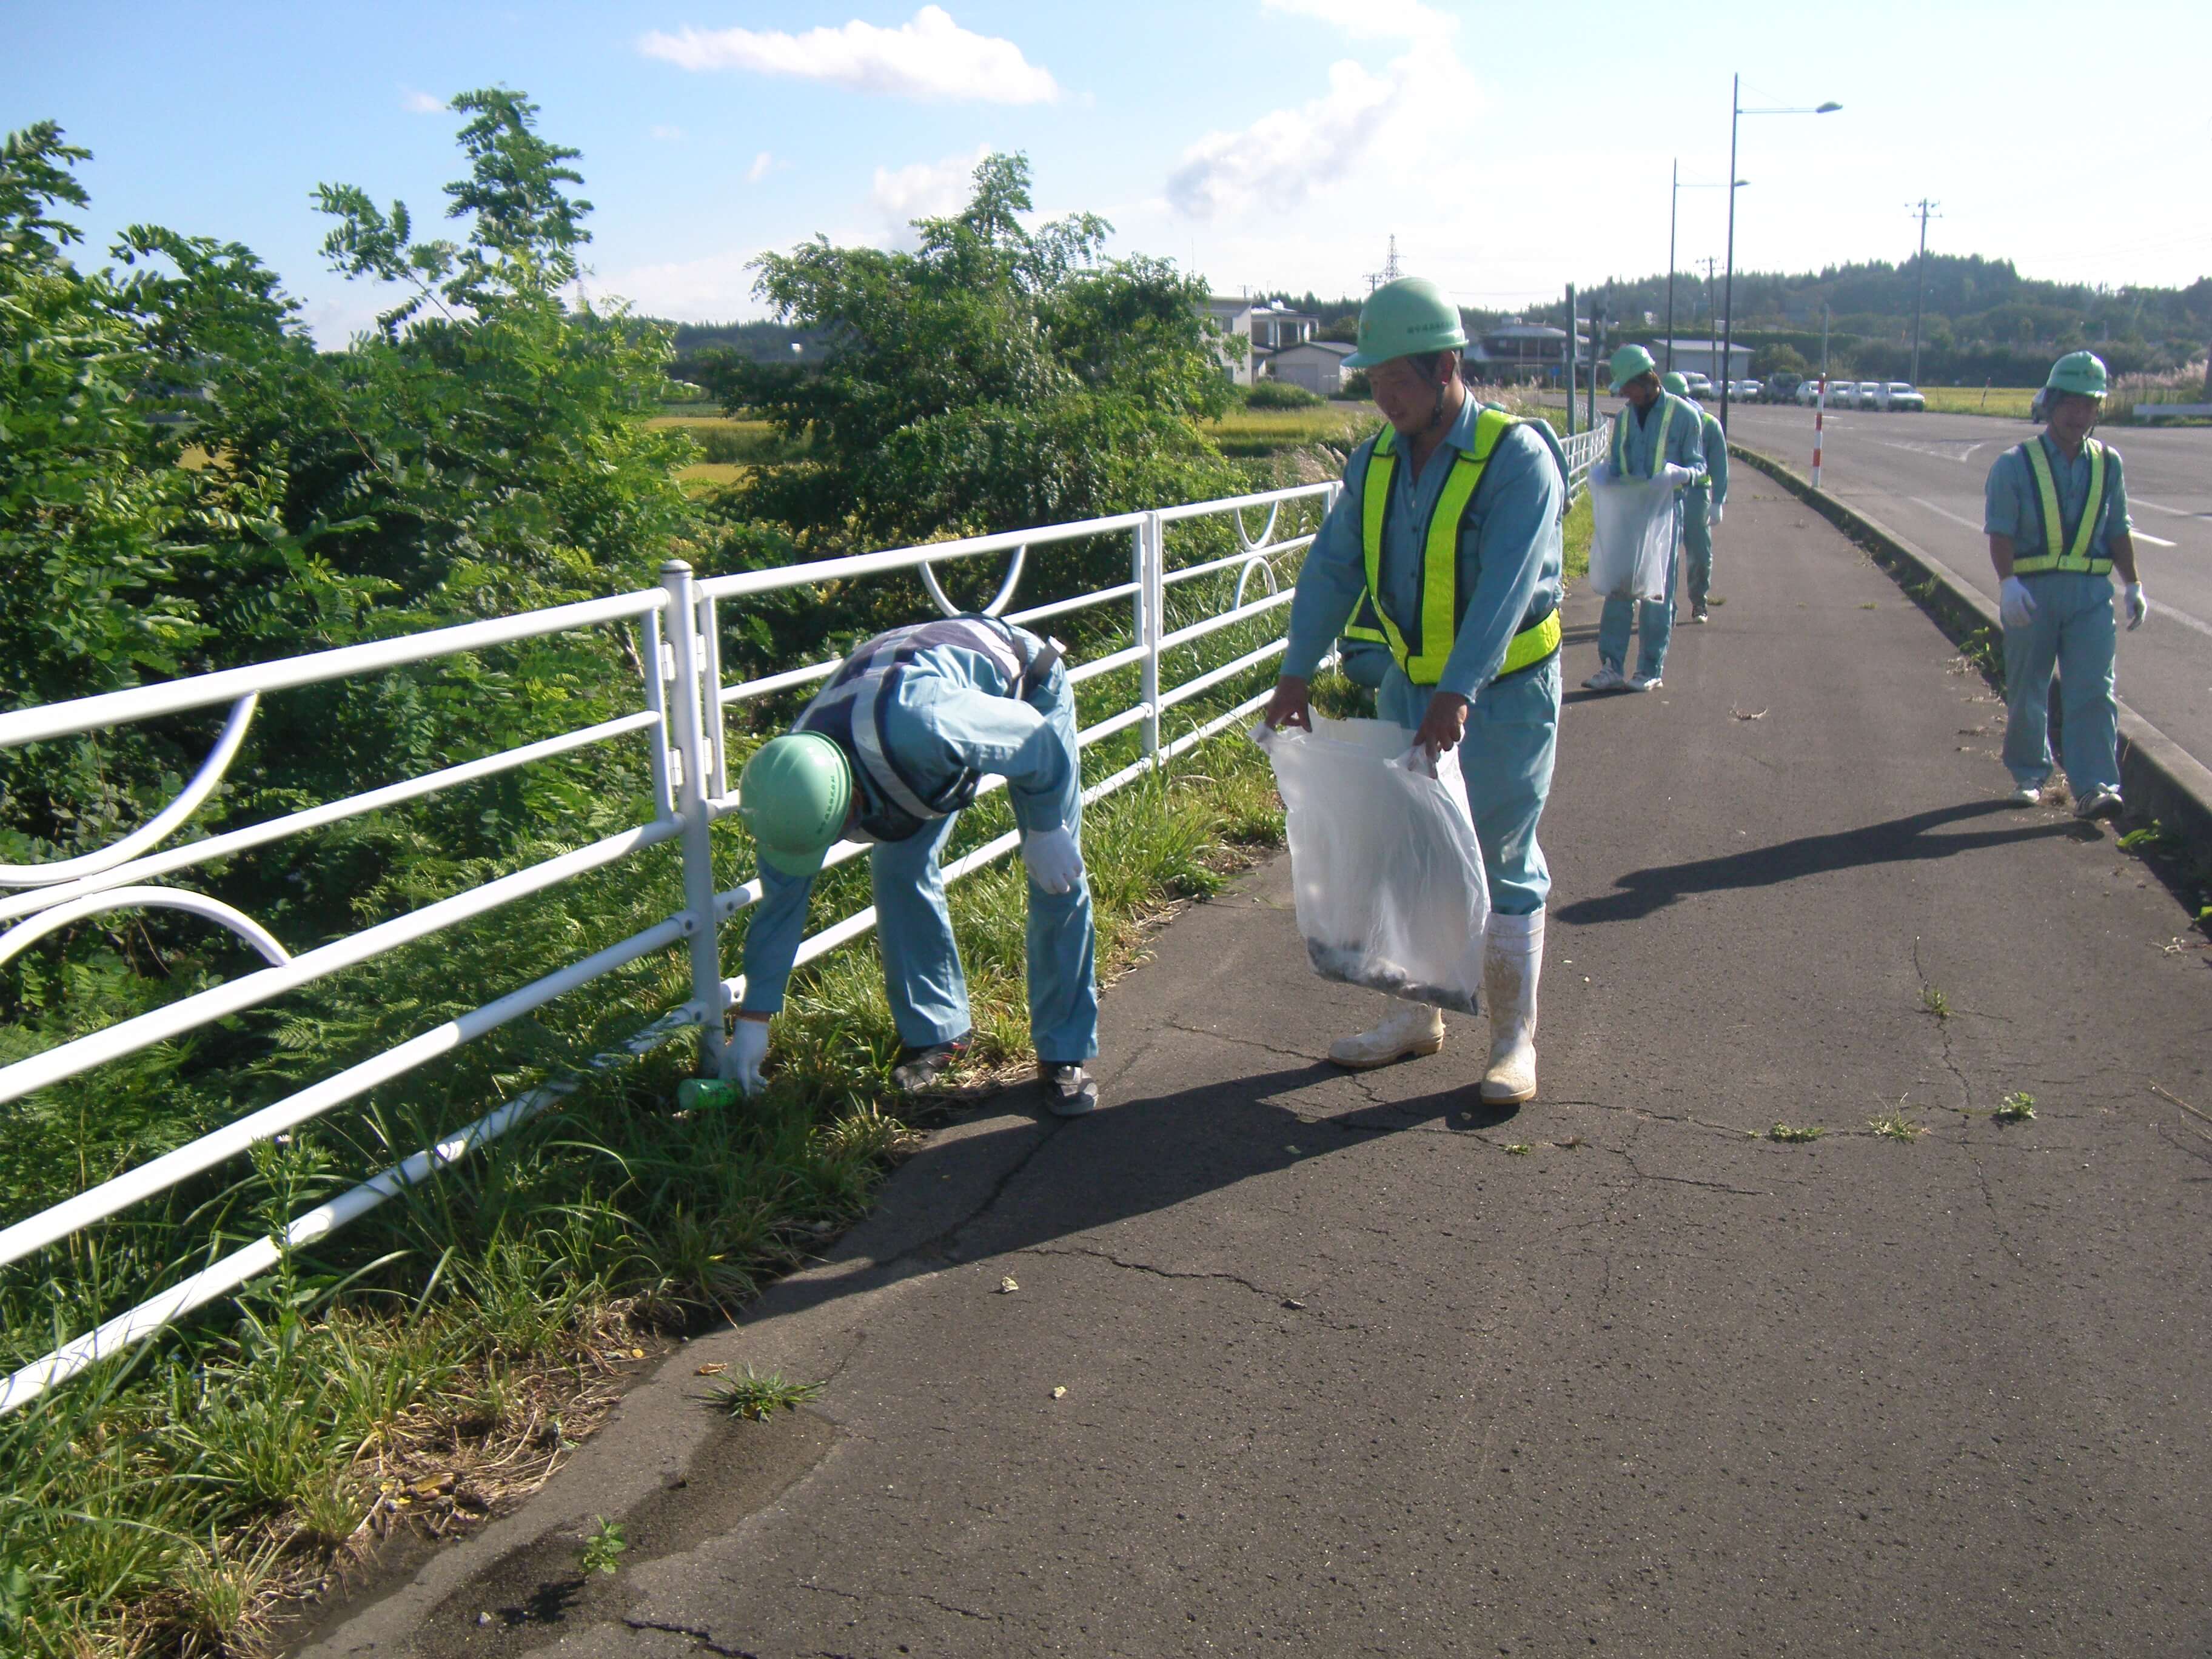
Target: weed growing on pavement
point(602, 1546)
point(758, 1396)
point(1935, 1002)
point(1519, 1148)
point(1785, 1132)
point(1895, 1126)
point(2015, 1109)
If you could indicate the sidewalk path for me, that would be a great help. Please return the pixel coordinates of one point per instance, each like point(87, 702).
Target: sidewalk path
point(1352, 1369)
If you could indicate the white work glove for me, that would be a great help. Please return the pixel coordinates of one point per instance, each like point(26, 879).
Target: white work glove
point(1054, 864)
point(1714, 517)
point(748, 1052)
point(2138, 607)
point(2015, 603)
point(1681, 477)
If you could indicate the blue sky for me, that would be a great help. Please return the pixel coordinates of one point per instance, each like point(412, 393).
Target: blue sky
point(1275, 143)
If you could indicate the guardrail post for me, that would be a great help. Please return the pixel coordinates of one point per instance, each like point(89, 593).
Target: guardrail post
point(1151, 622)
point(696, 767)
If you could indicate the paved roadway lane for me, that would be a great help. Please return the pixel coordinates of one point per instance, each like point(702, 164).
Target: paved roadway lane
point(1922, 476)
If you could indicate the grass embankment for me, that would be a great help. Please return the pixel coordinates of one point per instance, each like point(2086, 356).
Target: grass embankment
point(1255, 433)
point(2011, 401)
point(728, 448)
point(436, 1360)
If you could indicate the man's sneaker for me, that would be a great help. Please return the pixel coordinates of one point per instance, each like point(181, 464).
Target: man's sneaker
point(1608, 679)
point(1645, 682)
point(918, 1069)
point(1700, 614)
point(2028, 794)
point(1069, 1091)
point(2100, 803)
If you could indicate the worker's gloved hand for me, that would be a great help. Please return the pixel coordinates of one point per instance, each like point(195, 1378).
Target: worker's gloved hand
point(1054, 864)
point(1681, 477)
point(1714, 517)
point(2015, 603)
point(748, 1053)
point(2138, 607)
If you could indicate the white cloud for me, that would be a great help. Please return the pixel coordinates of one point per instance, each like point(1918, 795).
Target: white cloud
point(930, 57)
point(926, 189)
point(1415, 108)
point(716, 289)
point(419, 103)
point(667, 134)
point(759, 170)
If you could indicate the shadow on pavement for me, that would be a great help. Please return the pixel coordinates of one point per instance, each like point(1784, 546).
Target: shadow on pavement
point(1899, 841)
point(1134, 1157)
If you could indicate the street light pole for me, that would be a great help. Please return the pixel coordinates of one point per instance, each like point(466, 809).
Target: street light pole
point(1728, 296)
point(1673, 207)
point(1728, 299)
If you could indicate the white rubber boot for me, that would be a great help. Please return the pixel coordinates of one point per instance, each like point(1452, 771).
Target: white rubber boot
point(1512, 961)
point(1412, 1028)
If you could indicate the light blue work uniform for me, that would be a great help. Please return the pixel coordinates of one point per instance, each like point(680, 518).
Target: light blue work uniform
point(1634, 455)
point(1698, 503)
point(952, 716)
point(2073, 629)
point(1509, 562)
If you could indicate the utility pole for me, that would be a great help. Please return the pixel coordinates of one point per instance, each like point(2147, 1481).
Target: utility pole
point(1573, 359)
point(1673, 203)
point(1920, 283)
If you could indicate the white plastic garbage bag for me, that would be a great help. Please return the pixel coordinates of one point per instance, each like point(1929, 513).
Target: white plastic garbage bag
point(1391, 893)
point(1633, 536)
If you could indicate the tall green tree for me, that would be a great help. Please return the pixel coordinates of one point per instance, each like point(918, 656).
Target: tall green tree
point(995, 377)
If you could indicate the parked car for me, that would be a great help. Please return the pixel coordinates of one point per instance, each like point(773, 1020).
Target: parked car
point(1700, 387)
point(1866, 394)
point(2038, 406)
point(1899, 395)
point(1781, 386)
point(1840, 392)
point(1745, 391)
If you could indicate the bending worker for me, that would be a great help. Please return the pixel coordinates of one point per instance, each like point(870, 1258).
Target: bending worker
point(1451, 518)
point(1658, 435)
point(2056, 510)
point(896, 744)
point(1701, 502)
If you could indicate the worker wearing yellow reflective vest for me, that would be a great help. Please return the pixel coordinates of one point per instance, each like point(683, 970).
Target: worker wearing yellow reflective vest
point(1701, 503)
point(1451, 518)
point(1658, 435)
point(2056, 510)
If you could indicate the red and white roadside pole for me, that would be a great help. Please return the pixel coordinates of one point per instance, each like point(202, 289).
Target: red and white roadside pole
point(1820, 399)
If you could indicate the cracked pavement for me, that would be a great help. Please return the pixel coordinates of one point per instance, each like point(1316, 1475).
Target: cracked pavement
point(1353, 1365)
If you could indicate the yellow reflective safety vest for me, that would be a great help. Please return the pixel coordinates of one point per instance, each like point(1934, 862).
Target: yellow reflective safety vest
point(2060, 550)
point(1666, 402)
point(1421, 658)
point(1365, 624)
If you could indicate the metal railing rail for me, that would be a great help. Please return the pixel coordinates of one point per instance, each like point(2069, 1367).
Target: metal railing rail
point(682, 708)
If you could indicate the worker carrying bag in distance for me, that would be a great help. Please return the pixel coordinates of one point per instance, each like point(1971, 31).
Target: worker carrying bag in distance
point(1632, 537)
point(1391, 893)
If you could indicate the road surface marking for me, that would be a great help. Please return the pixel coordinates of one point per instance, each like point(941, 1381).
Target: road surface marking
point(2145, 536)
point(2171, 512)
point(1943, 513)
point(2182, 616)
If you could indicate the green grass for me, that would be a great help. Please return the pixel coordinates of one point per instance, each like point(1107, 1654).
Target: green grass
point(1893, 1124)
point(603, 1546)
point(756, 1396)
point(1785, 1132)
point(1933, 1001)
point(2007, 400)
point(1256, 433)
point(2015, 1109)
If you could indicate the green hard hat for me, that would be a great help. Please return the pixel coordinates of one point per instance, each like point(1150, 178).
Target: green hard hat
point(793, 795)
point(1672, 381)
point(1404, 318)
point(1627, 363)
point(2081, 372)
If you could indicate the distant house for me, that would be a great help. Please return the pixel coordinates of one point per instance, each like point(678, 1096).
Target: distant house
point(1316, 365)
point(1522, 351)
point(1265, 327)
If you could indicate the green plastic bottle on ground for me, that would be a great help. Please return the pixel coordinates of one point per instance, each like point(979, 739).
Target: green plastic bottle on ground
point(702, 1094)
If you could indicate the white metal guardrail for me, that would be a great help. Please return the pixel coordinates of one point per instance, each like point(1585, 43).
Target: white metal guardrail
point(681, 718)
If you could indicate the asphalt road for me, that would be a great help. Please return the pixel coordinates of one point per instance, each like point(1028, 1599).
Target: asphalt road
point(1922, 476)
point(1264, 1357)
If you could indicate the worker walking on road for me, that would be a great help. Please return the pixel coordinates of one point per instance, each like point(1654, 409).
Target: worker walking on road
point(2057, 515)
point(1701, 503)
point(1451, 518)
point(894, 745)
point(1658, 435)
